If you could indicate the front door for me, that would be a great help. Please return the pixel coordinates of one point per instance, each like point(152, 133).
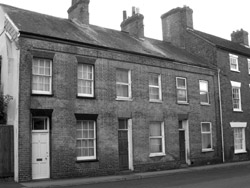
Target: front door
point(40, 148)
point(123, 144)
point(182, 146)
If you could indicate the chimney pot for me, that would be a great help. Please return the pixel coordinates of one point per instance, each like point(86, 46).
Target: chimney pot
point(134, 24)
point(133, 11)
point(124, 15)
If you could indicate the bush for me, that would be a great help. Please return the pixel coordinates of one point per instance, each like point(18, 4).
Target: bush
point(4, 100)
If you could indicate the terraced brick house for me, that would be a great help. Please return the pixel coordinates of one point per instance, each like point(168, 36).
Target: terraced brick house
point(91, 101)
point(232, 61)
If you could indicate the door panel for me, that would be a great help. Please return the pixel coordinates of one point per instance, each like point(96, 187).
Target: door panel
point(182, 145)
point(123, 149)
point(40, 155)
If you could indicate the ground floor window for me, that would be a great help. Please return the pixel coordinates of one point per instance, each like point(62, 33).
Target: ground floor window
point(239, 136)
point(86, 139)
point(206, 136)
point(156, 139)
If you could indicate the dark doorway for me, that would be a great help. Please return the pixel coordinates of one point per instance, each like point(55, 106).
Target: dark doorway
point(123, 144)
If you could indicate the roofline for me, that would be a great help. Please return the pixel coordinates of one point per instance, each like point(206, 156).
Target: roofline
point(71, 42)
point(216, 45)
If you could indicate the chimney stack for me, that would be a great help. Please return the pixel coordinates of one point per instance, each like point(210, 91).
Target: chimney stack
point(240, 36)
point(174, 24)
point(79, 11)
point(134, 24)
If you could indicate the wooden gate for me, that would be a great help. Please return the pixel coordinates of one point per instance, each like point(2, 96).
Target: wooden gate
point(6, 151)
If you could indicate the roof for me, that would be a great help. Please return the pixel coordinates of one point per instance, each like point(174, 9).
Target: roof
point(64, 29)
point(223, 43)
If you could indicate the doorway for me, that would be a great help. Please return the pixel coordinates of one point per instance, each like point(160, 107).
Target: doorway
point(184, 146)
point(40, 148)
point(125, 144)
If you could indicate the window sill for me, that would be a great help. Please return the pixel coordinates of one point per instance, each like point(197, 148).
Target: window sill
point(124, 99)
point(240, 152)
point(207, 150)
point(184, 103)
point(157, 155)
point(234, 70)
point(205, 104)
point(86, 160)
point(155, 101)
point(237, 110)
point(85, 97)
point(42, 95)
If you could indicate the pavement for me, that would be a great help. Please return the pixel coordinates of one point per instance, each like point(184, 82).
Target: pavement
point(103, 179)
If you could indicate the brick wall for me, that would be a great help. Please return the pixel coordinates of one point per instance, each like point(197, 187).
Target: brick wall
point(65, 104)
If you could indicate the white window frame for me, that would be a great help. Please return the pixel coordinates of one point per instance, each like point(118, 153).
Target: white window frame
point(233, 58)
point(90, 80)
point(162, 137)
point(81, 158)
point(211, 137)
point(127, 84)
point(181, 88)
point(248, 62)
point(242, 126)
point(50, 78)
point(236, 85)
point(206, 91)
point(156, 86)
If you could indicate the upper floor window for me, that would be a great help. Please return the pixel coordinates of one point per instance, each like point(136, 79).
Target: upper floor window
point(41, 76)
point(248, 62)
point(123, 84)
point(204, 94)
point(236, 96)
point(155, 87)
point(234, 66)
point(86, 139)
point(156, 139)
point(181, 86)
point(85, 80)
point(206, 136)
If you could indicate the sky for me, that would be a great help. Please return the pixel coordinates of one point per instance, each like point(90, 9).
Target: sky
point(216, 17)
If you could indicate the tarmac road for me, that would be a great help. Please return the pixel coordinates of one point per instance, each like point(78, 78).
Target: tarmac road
point(231, 177)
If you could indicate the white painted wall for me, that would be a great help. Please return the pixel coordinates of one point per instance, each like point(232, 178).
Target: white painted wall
point(10, 82)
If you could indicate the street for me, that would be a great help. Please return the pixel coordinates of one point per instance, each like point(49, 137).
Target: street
point(237, 176)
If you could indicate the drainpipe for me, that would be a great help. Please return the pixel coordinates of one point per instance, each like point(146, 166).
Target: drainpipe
point(221, 120)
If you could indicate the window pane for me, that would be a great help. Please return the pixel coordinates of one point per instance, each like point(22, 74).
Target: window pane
point(206, 141)
point(155, 145)
point(122, 90)
point(203, 86)
point(238, 138)
point(154, 93)
point(181, 95)
point(85, 143)
point(123, 124)
point(41, 78)
point(204, 97)
point(181, 83)
point(39, 124)
point(154, 79)
point(122, 76)
point(205, 127)
point(155, 129)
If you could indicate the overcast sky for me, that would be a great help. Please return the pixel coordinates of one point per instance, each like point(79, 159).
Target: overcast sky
point(217, 17)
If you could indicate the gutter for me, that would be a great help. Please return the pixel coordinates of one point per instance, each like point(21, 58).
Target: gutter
point(221, 120)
